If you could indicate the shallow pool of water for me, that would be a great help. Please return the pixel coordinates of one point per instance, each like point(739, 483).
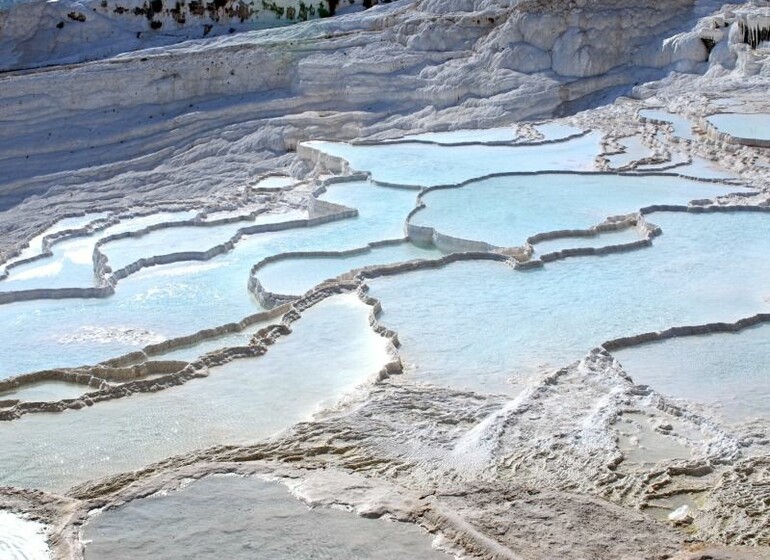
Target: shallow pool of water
point(730, 373)
point(35, 245)
point(298, 275)
point(754, 126)
point(552, 131)
point(123, 252)
point(628, 235)
point(704, 169)
point(261, 521)
point(193, 351)
point(478, 324)
point(682, 127)
point(635, 150)
point(71, 264)
point(173, 300)
point(332, 349)
point(505, 211)
point(46, 391)
point(429, 164)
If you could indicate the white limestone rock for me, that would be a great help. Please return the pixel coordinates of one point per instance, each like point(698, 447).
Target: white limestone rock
point(524, 57)
point(541, 29)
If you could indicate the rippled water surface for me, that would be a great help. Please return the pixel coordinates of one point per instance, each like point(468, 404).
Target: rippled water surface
point(330, 351)
point(727, 372)
point(179, 299)
point(427, 165)
point(504, 211)
point(261, 521)
point(478, 324)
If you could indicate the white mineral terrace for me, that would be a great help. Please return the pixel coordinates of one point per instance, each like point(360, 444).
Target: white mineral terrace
point(351, 289)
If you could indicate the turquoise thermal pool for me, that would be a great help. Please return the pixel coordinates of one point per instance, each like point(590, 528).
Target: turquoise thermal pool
point(295, 276)
point(635, 151)
point(72, 262)
point(704, 268)
point(552, 131)
point(35, 245)
point(729, 373)
point(743, 126)
point(45, 391)
point(604, 239)
point(703, 169)
point(428, 165)
point(478, 325)
point(330, 351)
point(384, 280)
point(190, 352)
point(262, 522)
point(682, 127)
point(174, 300)
point(504, 211)
point(123, 252)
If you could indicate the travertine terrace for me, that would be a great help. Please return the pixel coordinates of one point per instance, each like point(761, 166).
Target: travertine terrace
point(200, 226)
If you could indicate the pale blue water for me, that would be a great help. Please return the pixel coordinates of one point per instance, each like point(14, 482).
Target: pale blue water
point(35, 246)
point(427, 164)
point(190, 353)
point(704, 169)
point(477, 324)
point(46, 391)
point(72, 262)
point(635, 150)
point(123, 252)
point(262, 521)
point(743, 125)
point(239, 402)
point(628, 235)
point(505, 211)
point(382, 210)
point(298, 275)
point(557, 131)
point(179, 299)
point(682, 127)
point(730, 373)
